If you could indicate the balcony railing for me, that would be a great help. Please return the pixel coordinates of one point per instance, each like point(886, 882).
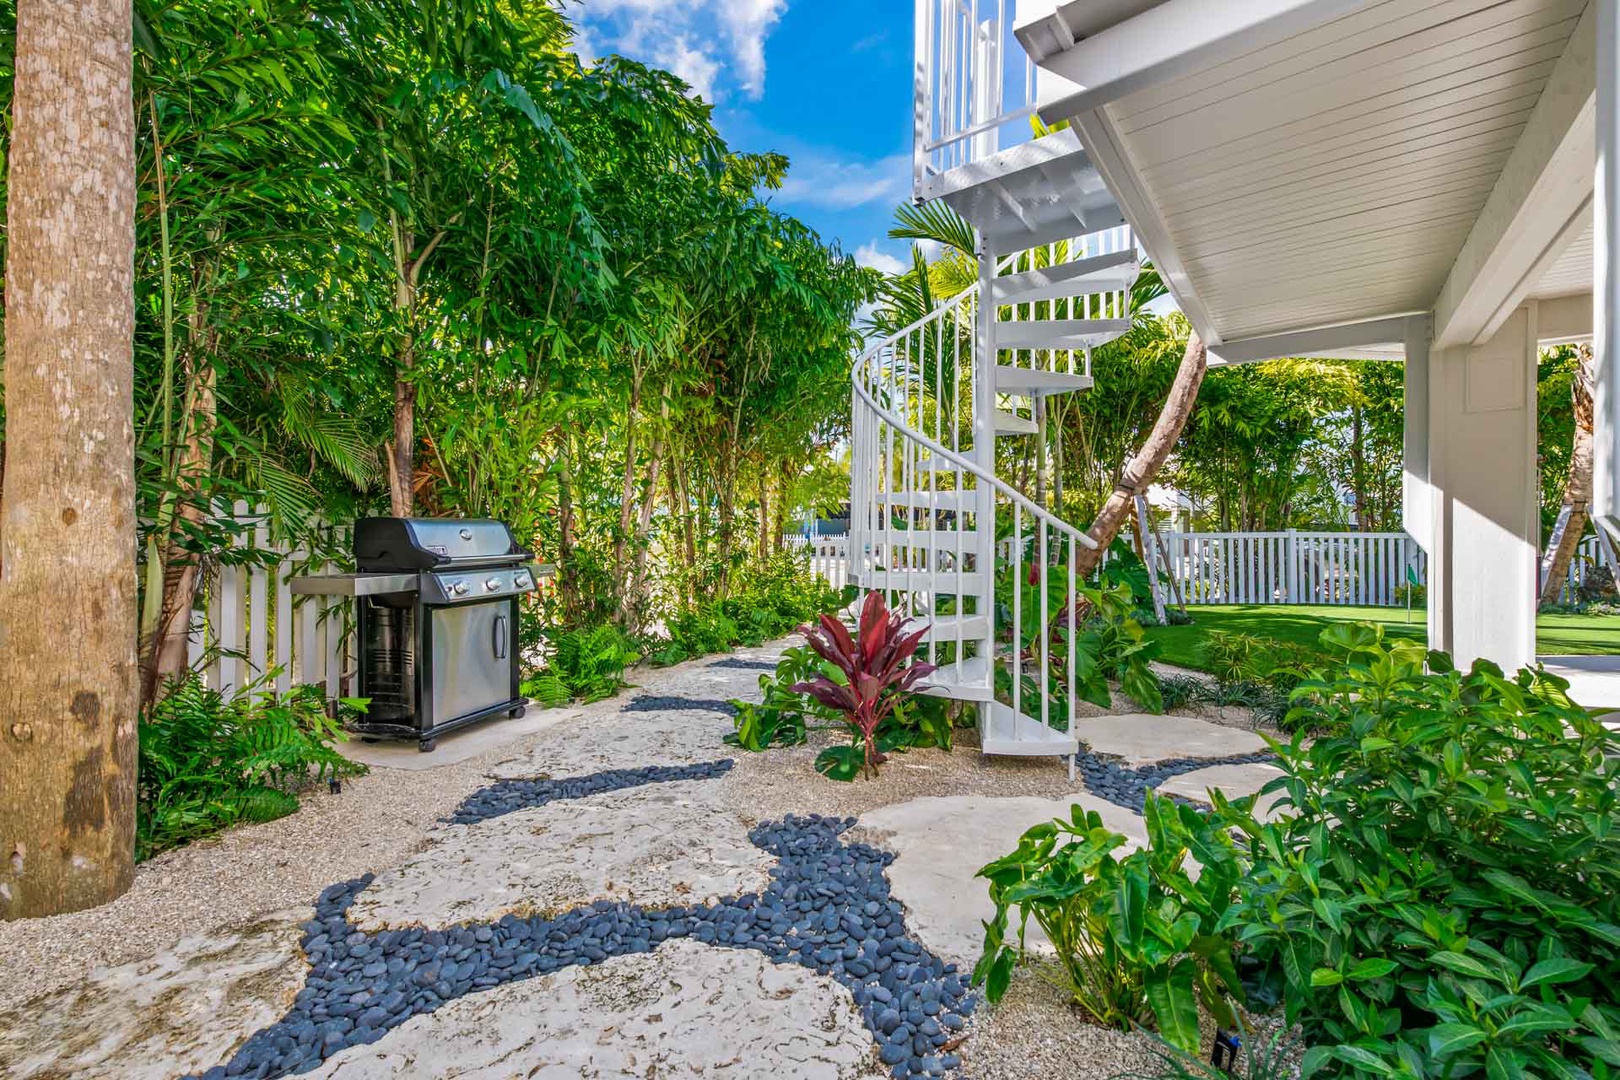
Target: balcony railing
point(976, 88)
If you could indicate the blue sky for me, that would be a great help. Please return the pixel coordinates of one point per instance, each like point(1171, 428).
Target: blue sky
point(826, 82)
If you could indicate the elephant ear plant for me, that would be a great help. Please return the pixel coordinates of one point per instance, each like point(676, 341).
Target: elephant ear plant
point(874, 668)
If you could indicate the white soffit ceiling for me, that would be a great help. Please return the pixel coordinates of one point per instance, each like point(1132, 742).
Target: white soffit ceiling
point(1334, 177)
point(1571, 272)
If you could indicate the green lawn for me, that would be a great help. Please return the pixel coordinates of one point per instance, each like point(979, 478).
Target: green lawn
point(1589, 635)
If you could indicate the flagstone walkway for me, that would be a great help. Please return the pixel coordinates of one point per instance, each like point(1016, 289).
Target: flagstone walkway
point(629, 897)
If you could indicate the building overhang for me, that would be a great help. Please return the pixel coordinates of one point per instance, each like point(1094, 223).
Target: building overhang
point(1300, 167)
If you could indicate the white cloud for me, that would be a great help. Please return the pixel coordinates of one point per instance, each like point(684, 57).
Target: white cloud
point(694, 65)
point(699, 40)
point(869, 255)
point(844, 185)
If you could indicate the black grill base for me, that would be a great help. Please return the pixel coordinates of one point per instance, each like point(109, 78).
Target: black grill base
point(427, 738)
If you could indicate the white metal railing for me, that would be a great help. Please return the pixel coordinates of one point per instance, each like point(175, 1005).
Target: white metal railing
point(829, 556)
point(975, 86)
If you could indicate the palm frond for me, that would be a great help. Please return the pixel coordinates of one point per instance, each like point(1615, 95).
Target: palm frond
point(936, 222)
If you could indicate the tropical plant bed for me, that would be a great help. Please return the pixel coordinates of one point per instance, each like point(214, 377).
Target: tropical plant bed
point(1436, 899)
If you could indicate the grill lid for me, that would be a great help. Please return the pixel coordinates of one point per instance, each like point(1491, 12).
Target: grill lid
point(389, 543)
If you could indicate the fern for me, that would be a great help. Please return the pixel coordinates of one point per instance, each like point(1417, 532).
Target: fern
point(207, 763)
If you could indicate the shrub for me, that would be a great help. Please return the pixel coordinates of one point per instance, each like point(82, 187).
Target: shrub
point(780, 719)
point(207, 763)
point(1138, 937)
point(585, 665)
point(1440, 896)
point(1416, 595)
point(1268, 1059)
point(1176, 691)
point(872, 671)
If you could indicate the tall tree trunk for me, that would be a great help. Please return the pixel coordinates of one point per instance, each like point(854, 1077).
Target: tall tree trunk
point(68, 680)
point(1578, 487)
point(402, 449)
point(1138, 474)
point(783, 489)
point(644, 522)
point(566, 583)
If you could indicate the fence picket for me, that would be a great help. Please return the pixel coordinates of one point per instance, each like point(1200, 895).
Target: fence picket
point(258, 613)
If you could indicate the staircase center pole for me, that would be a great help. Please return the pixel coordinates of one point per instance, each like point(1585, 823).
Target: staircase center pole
point(984, 452)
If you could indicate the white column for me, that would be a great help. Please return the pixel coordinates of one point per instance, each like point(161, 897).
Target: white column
point(1606, 271)
point(1482, 519)
point(1415, 509)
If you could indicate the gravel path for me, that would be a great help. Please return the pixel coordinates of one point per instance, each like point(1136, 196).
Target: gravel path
point(382, 821)
point(378, 822)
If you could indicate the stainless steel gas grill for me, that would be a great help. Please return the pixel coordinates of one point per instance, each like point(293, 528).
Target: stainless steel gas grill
point(437, 622)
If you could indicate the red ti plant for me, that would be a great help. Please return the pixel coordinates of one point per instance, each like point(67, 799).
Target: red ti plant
point(875, 666)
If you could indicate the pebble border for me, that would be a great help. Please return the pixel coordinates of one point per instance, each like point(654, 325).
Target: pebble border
point(505, 796)
point(1128, 787)
point(745, 665)
point(648, 703)
point(827, 908)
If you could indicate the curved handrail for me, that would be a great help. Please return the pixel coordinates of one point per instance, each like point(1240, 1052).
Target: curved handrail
point(965, 464)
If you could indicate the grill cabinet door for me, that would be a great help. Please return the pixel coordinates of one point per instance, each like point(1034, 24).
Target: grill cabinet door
point(472, 659)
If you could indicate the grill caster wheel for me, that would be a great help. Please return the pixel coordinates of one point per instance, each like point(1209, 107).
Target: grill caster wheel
point(517, 713)
point(427, 746)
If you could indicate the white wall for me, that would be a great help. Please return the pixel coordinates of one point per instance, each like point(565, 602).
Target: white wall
point(1482, 528)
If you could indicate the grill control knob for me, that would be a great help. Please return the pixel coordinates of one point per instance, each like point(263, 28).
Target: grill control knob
point(492, 584)
point(521, 581)
point(459, 588)
point(466, 534)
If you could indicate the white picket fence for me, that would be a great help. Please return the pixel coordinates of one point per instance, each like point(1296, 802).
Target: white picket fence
point(829, 556)
point(248, 623)
point(1335, 568)
point(1360, 569)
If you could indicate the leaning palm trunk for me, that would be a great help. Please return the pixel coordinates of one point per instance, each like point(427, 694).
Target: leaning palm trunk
point(1139, 472)
point(1578, 488)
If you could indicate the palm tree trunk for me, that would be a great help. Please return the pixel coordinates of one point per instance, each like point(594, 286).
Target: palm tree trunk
point(68, 677)
point(1578, 487)
point(1138, 474)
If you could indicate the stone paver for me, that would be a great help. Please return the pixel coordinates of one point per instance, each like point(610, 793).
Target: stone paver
point(1233, 781)
point(683, 1010)
point(1141, 739)
point(656, 846)
point(179, 1012)
point(941, 842)
point(608, 737)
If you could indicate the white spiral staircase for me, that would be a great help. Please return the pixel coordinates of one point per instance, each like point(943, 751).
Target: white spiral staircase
point(930, 518)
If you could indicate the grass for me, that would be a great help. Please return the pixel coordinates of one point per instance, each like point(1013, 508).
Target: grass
point(1582, 635)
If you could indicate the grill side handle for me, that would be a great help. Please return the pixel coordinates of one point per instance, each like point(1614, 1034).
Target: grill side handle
point(500, 637)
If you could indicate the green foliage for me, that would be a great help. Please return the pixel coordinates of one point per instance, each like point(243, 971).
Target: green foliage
point(773, 599)
point(1268, 1059)
point(1177, 691)
point(1416, 595)
point(780, 718)
point(1137, 936)
point(1258, 673)
point(1441, 896)
point(585, 665)
point(207, 763)
point(1111, 645)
